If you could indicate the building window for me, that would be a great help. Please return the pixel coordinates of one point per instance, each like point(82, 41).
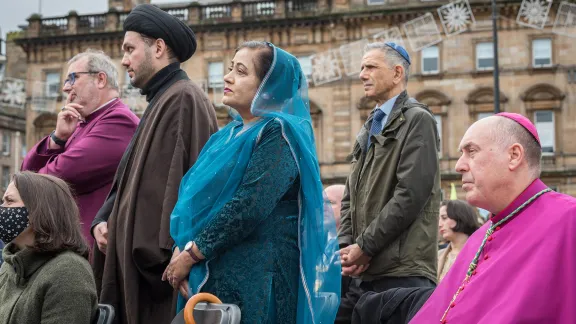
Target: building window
point(484, 56)
point(23, 150)
point(52, 84)
point(430, 60)
point(5, 176)
point(542, 52)
point(376, 2)
point(216, 74)
point(306, 65)
point(439, 126)
point(6, 143)
point(544, 121)
point(484, 115)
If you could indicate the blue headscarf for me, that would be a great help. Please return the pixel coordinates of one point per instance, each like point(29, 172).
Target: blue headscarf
point(214, 179)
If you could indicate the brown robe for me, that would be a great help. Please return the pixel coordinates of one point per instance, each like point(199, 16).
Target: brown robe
point(175, 127)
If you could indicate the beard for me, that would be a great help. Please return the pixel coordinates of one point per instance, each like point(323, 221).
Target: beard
point(144, 72)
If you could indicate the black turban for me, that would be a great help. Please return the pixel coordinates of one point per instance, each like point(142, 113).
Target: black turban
point(156, 23)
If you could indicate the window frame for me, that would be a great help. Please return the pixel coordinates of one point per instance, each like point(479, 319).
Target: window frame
point(6, 143)
point(439, 128)
point(6, 176)
point(57, 92)
point(553, 122)
point(534, 58)
point(478, 58)
point(437, 60)
point(484, 113)
point(215, 85)
point(376, 2)
point(309, 57)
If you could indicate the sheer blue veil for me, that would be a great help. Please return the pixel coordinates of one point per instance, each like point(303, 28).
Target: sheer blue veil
point(213, 180)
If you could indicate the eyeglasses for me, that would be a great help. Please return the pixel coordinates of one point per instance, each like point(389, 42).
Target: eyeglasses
point(74, 75)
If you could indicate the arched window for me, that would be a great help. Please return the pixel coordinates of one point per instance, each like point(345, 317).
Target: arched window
point(543, 104)
point(44, 124)
point(438, 103)
point(481, 103)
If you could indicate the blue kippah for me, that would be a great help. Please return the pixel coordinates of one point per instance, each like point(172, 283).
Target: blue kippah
point(400, 51)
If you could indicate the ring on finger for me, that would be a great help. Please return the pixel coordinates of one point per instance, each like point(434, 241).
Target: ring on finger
point(63, 108)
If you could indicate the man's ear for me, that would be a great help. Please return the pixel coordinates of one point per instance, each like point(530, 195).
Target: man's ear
point(398, 74)
point(516, 155)
point(160, 48)
point(102, 80)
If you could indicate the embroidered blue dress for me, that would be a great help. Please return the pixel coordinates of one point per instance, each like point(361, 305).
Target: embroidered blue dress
point(254, 237)
point(253, 204)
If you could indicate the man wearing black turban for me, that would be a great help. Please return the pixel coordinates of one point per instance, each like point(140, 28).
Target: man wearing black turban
point(132, 229)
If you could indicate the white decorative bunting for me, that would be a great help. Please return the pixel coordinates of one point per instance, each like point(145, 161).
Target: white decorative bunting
point(133, 98)
point(565, 23)
point(422, 32)
point(392, 34)
point(533, 13)
point(456, 16)
point(352, 54)
point(13, 93)
point(325, 67)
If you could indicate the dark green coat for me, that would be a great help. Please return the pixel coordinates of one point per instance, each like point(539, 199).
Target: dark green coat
point(390, 205)
point(46, 289)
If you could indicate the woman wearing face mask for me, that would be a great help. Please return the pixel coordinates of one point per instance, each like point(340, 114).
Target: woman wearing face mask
point(458, 220)
point(45, 277)
point(249, 219)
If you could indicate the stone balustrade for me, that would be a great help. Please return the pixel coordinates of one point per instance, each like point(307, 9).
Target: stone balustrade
point(194, 14)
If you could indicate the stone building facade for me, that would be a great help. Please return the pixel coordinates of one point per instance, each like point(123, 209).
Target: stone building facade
point(454, 77)
point(13, 70)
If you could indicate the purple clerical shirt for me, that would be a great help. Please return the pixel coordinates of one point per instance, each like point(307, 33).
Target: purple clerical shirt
point(89, 160)
point(526, 272)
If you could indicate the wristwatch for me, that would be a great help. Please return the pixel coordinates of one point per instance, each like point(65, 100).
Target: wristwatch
point(58, 141)
point(188, 248)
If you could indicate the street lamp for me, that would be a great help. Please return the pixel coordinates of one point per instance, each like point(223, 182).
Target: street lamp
point(496, 67)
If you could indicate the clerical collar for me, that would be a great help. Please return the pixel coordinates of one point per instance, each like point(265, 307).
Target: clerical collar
point(101, 108)
point(535, 187)
point(159, 79)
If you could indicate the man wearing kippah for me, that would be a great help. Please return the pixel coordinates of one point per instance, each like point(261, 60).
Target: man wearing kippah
point(132, 229)
point(389, 217)
point(519, 267)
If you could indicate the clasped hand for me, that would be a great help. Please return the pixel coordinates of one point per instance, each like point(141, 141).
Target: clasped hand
point(354, 260)
point(177, 271)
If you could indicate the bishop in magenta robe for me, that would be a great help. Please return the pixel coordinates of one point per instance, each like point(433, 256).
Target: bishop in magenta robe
point(520, 266)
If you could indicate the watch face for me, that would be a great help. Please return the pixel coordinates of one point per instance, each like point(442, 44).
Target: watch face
point(188, 246)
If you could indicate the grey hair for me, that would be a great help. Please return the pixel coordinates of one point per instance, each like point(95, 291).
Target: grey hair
point(393, 58)
point(507, 132)
point(99, 62)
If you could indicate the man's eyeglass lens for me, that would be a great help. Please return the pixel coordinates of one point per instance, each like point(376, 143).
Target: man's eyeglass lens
point(74, 75)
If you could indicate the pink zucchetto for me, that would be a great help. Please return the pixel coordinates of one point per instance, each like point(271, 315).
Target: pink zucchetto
point(524, 122)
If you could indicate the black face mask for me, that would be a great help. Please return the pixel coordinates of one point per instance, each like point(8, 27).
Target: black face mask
point(13, 221)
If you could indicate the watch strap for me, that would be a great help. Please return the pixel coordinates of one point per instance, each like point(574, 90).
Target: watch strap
point(191, 252)
point(58, 141)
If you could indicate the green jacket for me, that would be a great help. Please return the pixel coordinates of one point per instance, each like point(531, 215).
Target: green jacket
point(48, 289)
point(392, 196)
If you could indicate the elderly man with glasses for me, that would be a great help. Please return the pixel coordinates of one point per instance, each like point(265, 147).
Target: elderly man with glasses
point(92, 132)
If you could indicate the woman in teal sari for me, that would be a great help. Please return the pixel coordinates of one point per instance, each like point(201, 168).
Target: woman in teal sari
point(250, 220)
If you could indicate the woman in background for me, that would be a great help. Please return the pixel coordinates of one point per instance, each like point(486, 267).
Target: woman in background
point(458, 220)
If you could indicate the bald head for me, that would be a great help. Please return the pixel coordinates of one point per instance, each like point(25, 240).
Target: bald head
point(335, 193)
point(506, 132)
point(499, 160)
